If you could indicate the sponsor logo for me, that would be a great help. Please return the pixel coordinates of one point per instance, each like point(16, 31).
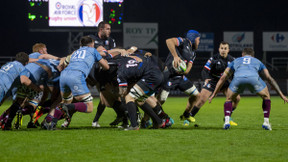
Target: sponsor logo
point(238, 37)
point(277, 37)
point(90, 12)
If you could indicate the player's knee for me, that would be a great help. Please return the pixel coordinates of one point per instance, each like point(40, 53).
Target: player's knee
point(67, 99)
point(89, 107)
point(136, 93)
point(192, 91)
point(163, 96)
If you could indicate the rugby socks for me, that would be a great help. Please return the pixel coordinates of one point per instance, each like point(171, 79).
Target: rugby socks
point(48, 118)
point(233, 109)
point(100, 110)
point(159, 111)
point(57, 113)
point(79, 106)
point(194, 111)
point(117, 109)
point(149, 111)
point(131, 106)
point(227, 110)
point(266, 106)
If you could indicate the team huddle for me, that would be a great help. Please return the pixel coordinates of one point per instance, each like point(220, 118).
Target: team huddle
point(126, 79)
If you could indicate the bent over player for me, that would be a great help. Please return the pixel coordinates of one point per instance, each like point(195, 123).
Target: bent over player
point(73, 84)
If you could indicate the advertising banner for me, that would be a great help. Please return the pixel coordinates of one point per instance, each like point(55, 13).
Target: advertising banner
point(239, 40)
point(206, 42)
point(75, 13)
point(141, 35)
point(275, 41)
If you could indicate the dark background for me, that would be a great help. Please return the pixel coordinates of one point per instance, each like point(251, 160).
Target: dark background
point(174, 18)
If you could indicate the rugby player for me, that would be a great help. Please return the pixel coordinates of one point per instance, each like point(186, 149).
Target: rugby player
point(246, 71)
point(211, 73)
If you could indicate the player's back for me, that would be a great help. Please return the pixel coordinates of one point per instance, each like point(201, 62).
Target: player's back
point(247, 66)
point(83, 59)
point(9, 72)
point(34, 55)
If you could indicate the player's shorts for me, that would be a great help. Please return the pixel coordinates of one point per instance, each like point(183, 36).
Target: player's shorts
point(254, 84)
point(154, 79)
point(211, 85)
point(73, 81)
point(180, 82)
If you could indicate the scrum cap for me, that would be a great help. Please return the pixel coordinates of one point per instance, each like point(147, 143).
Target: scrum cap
point(192, 35)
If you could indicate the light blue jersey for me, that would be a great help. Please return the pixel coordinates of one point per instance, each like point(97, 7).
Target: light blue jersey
point(246, 66)
point(83, 59)
point(34, 55)
point(10, 72)
point(10, 77)
point(246, 75)
point(38, 75)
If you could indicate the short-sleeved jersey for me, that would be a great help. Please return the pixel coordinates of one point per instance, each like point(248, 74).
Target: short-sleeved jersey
point(34, 55)
point(246, 66)
point(9, 73)
point(83, 59)
point(184, 51)
point(108, 43)
point(38, 75)
point(131, 71)
point(215, 66)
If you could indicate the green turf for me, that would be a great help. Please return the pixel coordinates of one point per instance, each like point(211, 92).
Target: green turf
point(208, 142)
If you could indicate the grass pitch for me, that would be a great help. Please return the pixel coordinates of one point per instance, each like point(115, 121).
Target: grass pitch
point(208, 142)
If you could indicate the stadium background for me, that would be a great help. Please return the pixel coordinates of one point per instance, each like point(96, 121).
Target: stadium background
point(173, 18)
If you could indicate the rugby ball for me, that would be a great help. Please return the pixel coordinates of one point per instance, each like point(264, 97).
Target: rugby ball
point(181, 68)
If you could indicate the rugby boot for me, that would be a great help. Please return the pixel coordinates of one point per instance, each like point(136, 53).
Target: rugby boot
point(190, 118)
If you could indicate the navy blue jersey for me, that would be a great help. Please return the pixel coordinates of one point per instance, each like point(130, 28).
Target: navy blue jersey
point(184, 51)
point(215, 66)
point(108, 43)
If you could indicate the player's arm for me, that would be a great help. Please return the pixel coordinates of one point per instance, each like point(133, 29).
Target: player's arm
point(104, 64)
point(205, 73)
point(32, 60)
point(172, 43)
point(48, 56)
point(27, 82)
point(274, 84)
point(227, 73)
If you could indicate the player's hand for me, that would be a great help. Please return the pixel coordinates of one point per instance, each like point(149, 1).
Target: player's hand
point(176, 61)
point(206, 81)
point(285, 99)
point(211, 98)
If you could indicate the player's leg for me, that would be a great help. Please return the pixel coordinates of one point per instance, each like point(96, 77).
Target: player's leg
point(230, 96)
point(234, 106)
point(188, 88)
point(135, 93)
point(266, 106)
point(203, 97)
